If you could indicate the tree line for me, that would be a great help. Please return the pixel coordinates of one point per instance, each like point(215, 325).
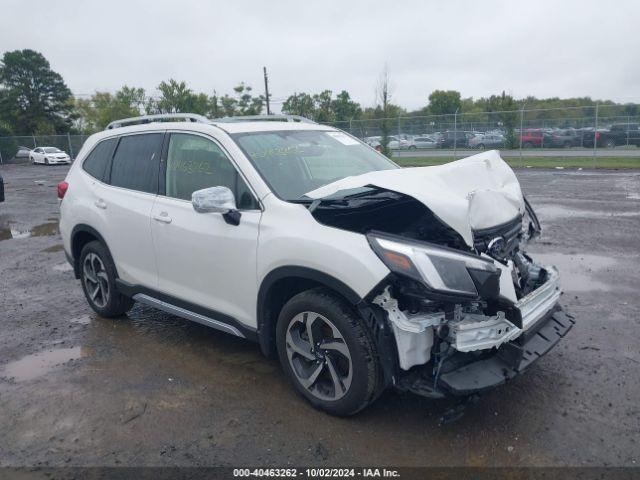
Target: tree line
point(34, 99)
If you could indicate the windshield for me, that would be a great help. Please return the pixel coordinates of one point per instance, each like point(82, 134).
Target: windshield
point(294, 162)
point(51, 150)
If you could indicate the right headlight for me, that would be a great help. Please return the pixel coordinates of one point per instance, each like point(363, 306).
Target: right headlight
point(441, 269)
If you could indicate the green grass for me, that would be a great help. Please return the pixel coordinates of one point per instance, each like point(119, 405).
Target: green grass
point(535, 162)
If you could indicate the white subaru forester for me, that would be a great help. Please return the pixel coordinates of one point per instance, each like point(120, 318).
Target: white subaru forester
point(358, 274)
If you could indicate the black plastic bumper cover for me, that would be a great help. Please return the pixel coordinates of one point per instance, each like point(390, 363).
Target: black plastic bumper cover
point(510, 359)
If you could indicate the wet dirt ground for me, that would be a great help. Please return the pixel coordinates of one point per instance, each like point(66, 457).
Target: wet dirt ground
point(151, 389)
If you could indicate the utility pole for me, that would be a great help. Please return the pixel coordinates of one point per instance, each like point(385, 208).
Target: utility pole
point(266, 89)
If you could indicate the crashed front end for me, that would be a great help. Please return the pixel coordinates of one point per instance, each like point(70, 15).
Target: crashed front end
point(466, 309)
point(464, 322)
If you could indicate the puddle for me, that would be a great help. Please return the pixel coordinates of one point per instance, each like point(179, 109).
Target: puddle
point(552, 212)
point(38, 364)
point(63, 267)
point(577, 270)
point(44, 230)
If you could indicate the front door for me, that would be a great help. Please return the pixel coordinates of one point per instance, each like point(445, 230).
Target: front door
point(202, 259)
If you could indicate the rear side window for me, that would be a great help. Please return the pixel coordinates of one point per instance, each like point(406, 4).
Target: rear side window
point(96, 162)
point(136, 162)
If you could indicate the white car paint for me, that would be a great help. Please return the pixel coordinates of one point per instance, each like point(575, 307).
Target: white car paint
point(49, 156)
point(476, 192)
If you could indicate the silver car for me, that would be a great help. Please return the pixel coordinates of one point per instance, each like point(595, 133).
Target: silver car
point(487, 140)
point(423, 142)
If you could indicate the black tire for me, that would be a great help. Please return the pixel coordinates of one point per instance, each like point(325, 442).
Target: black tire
point(481, 146)
point(366, 374)
point(527, 145)
point(46, 161)
point(115, 304)
point(610, 143)
point(412, 147)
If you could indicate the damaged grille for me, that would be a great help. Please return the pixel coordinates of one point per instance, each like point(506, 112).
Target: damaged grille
point(509, 233)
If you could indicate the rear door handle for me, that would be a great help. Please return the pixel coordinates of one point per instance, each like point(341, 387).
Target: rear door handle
point(100, 203)
point(163, 217)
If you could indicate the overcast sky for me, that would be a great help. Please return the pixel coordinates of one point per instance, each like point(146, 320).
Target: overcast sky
point(543, 48)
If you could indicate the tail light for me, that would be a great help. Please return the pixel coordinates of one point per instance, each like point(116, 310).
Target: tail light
point(62, 189)
point(597, 135)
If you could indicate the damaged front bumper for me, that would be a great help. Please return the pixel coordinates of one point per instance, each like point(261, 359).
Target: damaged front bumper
point(478, 332)
point(476, 352)
point(487, 371)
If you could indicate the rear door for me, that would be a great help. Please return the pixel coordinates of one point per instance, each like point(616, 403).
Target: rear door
point(127, 202)
point(202, 259)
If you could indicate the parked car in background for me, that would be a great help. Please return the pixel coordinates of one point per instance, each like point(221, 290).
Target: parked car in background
point(487, 140)
point(457, 139)
point(423, 142)
point(395, 143)
point(559, 138)
point(23, 152)
point(616, 135)
point(49, 156)
point(532, 138)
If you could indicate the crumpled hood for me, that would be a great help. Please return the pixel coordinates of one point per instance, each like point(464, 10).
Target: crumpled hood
point(476, 192)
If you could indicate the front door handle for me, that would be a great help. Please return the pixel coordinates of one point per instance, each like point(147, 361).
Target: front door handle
point(163, 217)
point(100, 203)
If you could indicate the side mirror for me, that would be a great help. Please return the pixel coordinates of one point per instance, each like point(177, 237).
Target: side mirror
point(216, 200)
point(213, 200)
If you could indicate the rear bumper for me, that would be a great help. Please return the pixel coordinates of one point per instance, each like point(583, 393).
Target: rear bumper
point(466, 374)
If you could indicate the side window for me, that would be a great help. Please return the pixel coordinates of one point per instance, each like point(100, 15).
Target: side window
point(96, 162)
point(136, 162)
point(194, 163)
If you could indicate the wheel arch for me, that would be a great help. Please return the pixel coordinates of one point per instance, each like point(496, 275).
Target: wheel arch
point(80, 236)
point(280, 285)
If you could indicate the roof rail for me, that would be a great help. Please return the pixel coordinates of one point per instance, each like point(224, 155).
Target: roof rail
point(162, 117)
point(263, 118)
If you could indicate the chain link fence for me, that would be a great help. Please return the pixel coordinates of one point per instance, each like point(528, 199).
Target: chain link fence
point(16, 149)
point(596, 131)
point(591, 131)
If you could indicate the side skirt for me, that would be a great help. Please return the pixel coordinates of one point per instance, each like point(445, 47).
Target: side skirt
point(186, 310)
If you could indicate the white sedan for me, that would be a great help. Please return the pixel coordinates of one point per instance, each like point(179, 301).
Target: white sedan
point(49, 156)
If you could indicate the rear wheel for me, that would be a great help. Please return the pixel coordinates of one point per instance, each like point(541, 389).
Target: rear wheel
point(98, 276)
point(46, 161)
point(610, 143)
point(327, 352)
point(527, 145)
point(481, 146)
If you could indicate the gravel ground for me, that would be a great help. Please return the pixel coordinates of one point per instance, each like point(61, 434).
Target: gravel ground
point(151, 389)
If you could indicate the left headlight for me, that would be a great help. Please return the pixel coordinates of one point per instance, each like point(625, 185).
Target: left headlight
point(442, 269)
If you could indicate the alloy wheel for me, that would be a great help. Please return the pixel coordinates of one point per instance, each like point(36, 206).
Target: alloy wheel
point(95, 280)
point(319, 356)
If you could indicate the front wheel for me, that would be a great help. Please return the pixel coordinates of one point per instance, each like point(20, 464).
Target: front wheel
point(98, 276)
point(610, 143)
point(327, 352)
